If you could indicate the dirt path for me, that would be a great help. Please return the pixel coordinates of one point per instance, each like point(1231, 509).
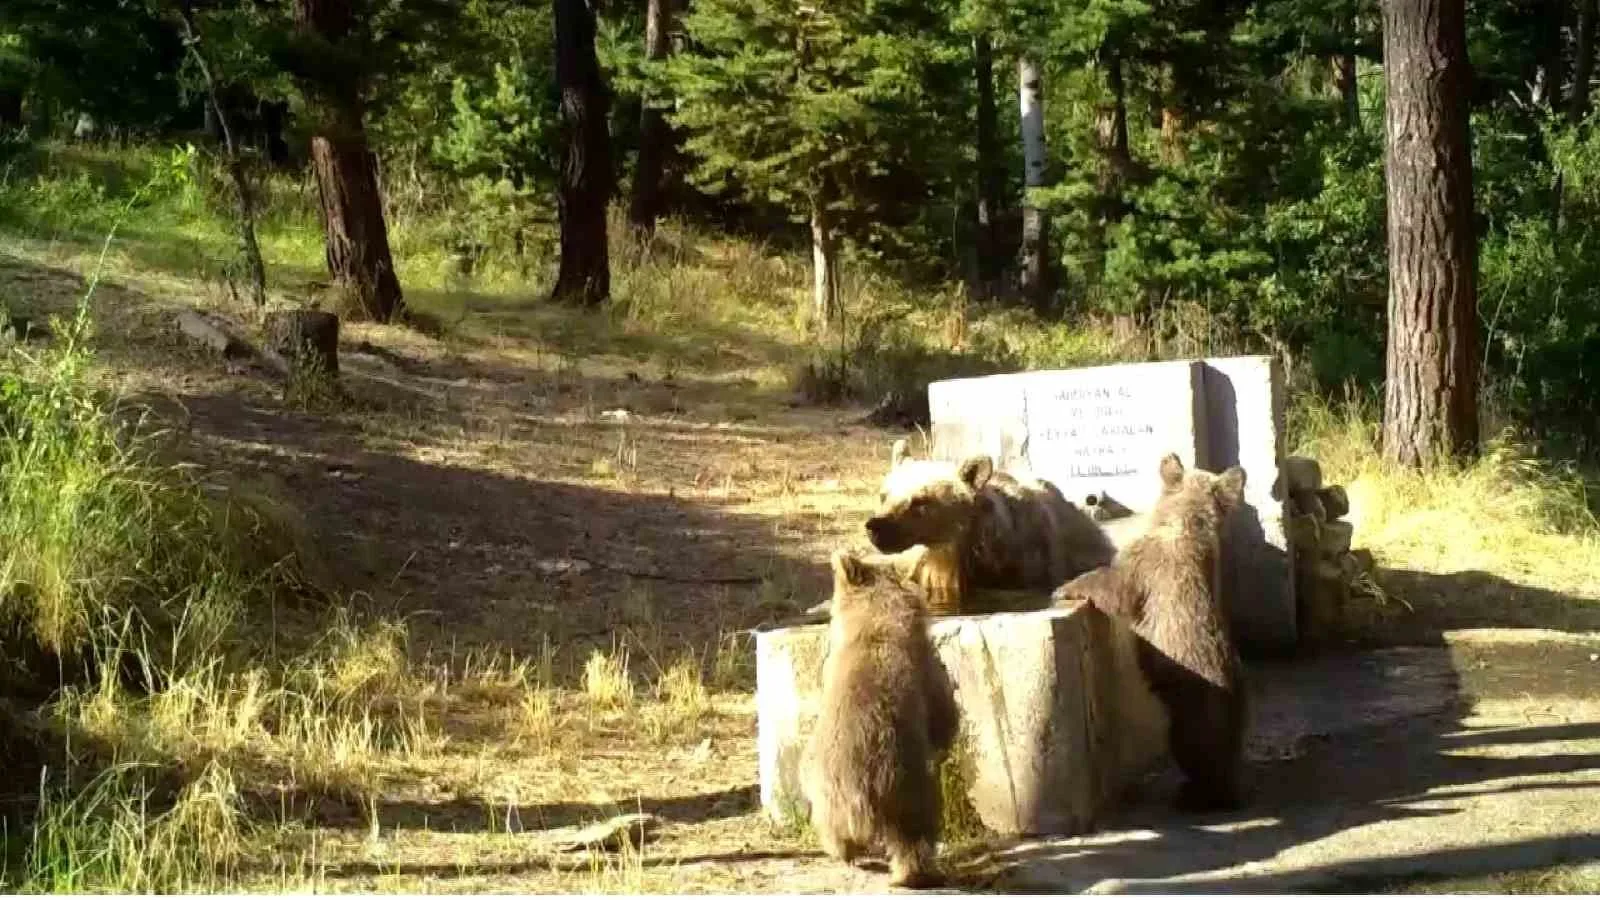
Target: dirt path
point(1476, 758)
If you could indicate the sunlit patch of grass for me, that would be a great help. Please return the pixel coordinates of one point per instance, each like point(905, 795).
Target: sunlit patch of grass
point(607, 684)
point(1508, 513)
point(682, 701)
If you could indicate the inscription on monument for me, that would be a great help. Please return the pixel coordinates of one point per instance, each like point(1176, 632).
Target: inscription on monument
point(1094, 431)
point(1091, 431)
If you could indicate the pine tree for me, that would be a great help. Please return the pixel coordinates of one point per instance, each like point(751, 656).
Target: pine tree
point(803, 106)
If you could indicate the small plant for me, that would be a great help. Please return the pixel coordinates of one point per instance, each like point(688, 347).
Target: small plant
point(606, 681)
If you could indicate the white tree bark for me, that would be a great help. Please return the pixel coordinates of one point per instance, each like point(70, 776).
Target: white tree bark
point(1035, 230)
point(824, 269)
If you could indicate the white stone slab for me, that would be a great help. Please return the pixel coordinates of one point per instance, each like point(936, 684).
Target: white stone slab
point(1056, 718)
point(1103, 430)
point(1245, 427)
point(1090, 431)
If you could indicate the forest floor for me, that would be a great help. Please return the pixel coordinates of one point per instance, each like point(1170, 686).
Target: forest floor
point(553, 546)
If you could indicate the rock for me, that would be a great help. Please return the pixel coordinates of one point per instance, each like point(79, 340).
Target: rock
point(1301, 474)
point(1056, 717)
point(1309, 504)
point(1305, 532)
point(1336, 537)
point(1322, 602)
point(1335, 501)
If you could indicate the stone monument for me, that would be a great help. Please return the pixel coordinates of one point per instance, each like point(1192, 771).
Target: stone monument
point(1099, 434)
point(1055, 717)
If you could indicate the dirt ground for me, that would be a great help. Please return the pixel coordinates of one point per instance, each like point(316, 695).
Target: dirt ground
point(499, 497)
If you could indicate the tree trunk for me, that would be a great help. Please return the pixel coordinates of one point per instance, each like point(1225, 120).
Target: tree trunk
point(824, 266)
point(1344, 79)
point(1344, 73)
point(307, 339)
point(1430, 402)
point(655, 135)
point(1551, 68)
point(585, 185)
point(990, 183)
point(249, 247)
point(1111, 140)
point(1035, 227)
point(1583, 62)
point(356, 237)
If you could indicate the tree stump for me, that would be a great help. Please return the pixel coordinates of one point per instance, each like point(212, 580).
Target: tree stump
point(306, 340)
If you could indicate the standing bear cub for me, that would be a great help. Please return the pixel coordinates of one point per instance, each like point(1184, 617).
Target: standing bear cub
point(981, 528)
point(1165, 585)
point(888, 716)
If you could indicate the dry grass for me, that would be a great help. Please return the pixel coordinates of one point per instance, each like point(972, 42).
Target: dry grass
point(499, 672)
point(1508, 540)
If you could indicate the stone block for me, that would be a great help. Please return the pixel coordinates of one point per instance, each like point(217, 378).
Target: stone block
point(1056, 718)
point(1101, 432)
point(1245, 426)
point(1305, 532)
point(970, 416)
point(1335, 502)
point(1308, 504)
point(1097, 431)
point(1336, 537)
point(1301, 474)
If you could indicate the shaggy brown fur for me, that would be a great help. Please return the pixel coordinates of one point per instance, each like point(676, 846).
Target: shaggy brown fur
point(1165, 584)
point(982, 529)
point(888, 715)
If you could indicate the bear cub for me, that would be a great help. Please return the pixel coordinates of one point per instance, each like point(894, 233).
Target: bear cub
point(888, 716)
point(1165, 585)
point(981, 529)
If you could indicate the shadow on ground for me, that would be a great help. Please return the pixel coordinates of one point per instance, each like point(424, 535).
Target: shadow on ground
point(1469, 599)
point(475, 815)
point(1361, 765)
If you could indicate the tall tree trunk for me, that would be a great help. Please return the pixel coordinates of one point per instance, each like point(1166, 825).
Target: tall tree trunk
point(1431, 397)
point(1111, 140)
point(990, 177)
point(655, 135)
point(586, 176)
point(1583, 62)
point(243, 195)
point(1035, 226)
point(1552, 69)
point(1344, 73)
point(355, 235)
point(824, 264)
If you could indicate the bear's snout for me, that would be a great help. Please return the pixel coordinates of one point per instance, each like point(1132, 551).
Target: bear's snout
point(886, 535)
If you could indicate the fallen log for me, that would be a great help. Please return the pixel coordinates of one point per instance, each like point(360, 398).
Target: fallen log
point(213, 336)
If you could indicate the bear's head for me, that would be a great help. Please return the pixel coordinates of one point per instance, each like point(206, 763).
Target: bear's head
point(873, 586)
point(1188, 493)
point(924, 501)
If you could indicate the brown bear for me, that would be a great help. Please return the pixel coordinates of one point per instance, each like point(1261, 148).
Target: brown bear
point(982, 529)
point(1165, 585)
point(888, 716)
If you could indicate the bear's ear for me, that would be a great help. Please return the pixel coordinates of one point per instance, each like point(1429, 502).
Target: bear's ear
point(1230, 487)
point(850, 570)
point(1171, 472)
point(976, 471)
point(899, 453)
